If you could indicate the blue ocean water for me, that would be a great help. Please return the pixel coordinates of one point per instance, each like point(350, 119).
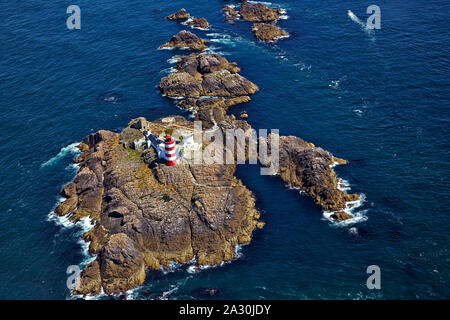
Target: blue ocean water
point(379, 99)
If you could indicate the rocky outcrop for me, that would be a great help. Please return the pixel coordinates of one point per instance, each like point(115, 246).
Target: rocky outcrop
point(186, 39)
point(230, 13)
point(200, 23)
point(209, 84)
point(341, 216)
point(268, 32)
point(147, 216)
point(308, 167)
point(206, 75)
point(258, 12)
point(180, 15)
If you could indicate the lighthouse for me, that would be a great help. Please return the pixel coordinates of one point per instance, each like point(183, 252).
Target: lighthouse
point(170, 155)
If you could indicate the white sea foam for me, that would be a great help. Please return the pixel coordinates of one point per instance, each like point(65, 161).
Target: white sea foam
point(300, 191)
point(281, 37)
point(186, 22)
point(350, 206)
point(62, 221)
point(70, 149)
point(262, 2)
point(174, 266)
point(168, 70)
point(334, 84)
point(174, 59)
point(354, 18)
point(343, 185)
point(363, 26)
point(353, 231)
point(351, 209)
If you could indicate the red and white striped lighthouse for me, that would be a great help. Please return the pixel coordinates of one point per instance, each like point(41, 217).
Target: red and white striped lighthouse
point(170, 156)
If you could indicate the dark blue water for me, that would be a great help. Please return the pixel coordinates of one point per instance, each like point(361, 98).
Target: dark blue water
point(379, 99)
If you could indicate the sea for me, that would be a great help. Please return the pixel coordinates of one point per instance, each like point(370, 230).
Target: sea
point(379, 98)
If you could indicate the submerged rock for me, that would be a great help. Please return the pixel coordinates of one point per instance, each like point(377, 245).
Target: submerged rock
point(268, 32)
point(206, 292)
point(258, 12)
point(180, 15)
point(201, 23)
point(186, 39)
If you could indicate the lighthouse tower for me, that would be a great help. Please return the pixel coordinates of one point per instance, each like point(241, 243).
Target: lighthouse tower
point(170, 156)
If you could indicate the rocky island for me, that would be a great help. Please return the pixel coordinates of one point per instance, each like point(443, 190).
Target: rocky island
point(180, 15)
point(258, 12)
point(268, 32)
point(148, 213)
point(199, 23)
point(185, 40)
point(266, 18)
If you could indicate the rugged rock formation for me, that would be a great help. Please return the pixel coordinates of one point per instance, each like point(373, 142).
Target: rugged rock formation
point(258, 12)
point(308, 167)
point(148, 216)
point(206, 75)
point(230, 13)
point(186, 39)
point(201, 23)
point(180, 15)
point(268, 32)
point(301, 164)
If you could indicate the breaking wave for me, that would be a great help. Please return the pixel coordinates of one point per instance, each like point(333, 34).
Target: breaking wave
point(65, 151)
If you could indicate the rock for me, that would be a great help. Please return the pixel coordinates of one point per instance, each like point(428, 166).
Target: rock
point(67, 206)
point(121, 264)
point(210, 103)
point(69, 190)
point(206, 292)
point(268, 32)
point(341, 216)
point(206, 75)
point(149, 156)
point(307, 167)
point(186, 39)
point(258, 12)
point(147, 217)
point(223, 83)
point(90, 280)
point(201, 23)
point(180, 84)
point(198, 65)
point(243, 115)
point(230, 13)
point(180, 15)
